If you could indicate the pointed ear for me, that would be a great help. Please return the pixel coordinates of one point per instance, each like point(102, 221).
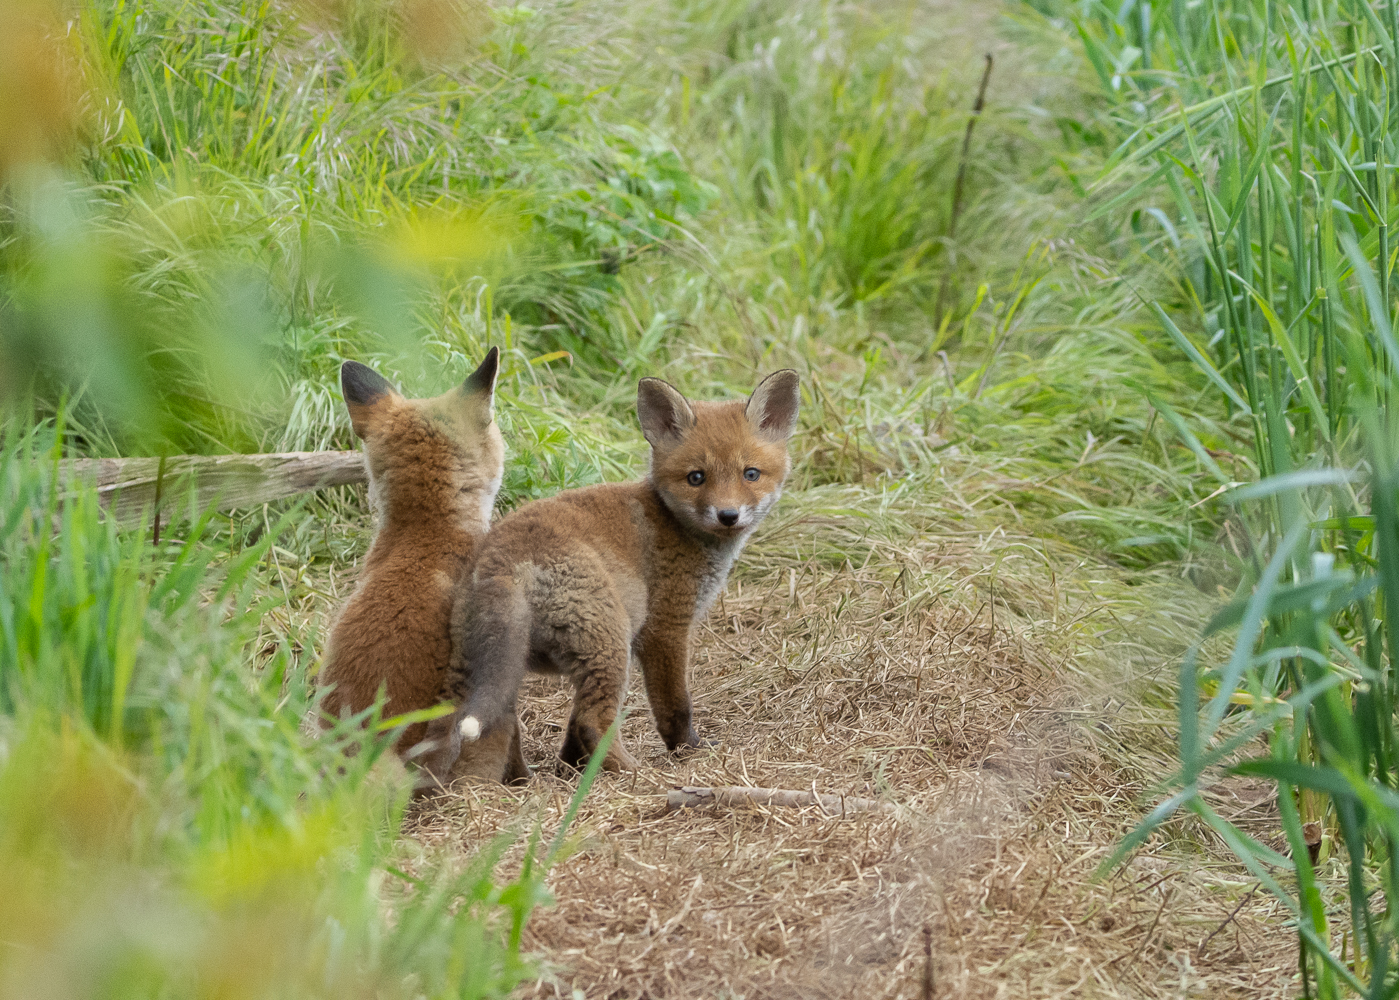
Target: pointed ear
point(479, 387)
point(364, 389)
point(665, 414)
point(772, 409)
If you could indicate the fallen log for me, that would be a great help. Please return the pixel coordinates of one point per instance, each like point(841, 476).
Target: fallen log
point(128, 486)
point(737, 795)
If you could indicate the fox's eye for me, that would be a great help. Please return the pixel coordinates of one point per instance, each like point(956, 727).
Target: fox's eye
point(751, 475)
point(695, 478)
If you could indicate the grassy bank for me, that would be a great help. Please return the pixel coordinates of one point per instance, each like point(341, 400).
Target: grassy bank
point(1257, 154)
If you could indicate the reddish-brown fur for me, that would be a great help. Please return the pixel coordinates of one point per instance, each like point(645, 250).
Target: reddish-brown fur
point(578, 583)
point(434, 469)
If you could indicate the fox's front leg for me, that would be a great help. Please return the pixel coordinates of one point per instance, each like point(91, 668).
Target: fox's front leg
point(664, 651)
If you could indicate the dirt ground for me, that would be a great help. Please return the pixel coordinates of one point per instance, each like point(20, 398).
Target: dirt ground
point(1005, 695)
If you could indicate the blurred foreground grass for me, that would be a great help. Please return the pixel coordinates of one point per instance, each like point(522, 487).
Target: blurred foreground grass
point(166, 827)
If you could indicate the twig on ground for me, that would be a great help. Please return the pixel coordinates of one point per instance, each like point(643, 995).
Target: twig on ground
point(1150, 931)
point(927, 962)
point(1200, 948)
point(735, 795)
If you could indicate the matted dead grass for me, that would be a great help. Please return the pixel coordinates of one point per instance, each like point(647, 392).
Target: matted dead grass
point(999, 689)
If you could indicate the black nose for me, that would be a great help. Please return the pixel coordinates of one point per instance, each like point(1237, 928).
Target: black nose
point(728, 518)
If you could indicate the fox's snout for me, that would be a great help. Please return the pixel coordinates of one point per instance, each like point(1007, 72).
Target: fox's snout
point(718, 510)
point(733, 516)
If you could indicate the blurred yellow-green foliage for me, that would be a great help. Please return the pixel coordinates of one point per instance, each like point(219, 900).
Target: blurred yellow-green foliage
point(41, 86)
point(210, 204)
point(165, 826)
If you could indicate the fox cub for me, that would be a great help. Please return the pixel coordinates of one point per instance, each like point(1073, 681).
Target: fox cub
point(434, 469)
point(577, 583)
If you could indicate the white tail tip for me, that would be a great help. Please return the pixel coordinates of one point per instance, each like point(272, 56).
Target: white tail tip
point(470, 728)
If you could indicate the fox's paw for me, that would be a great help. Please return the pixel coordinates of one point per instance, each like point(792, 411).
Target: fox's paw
point(692, 740)
point(618, 760)
point(696, 744)
point(578, 747)
point(426, 786)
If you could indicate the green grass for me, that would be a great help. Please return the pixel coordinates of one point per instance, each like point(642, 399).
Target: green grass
point(669, 213)
point(168, 827)
point(1257, 151)
point(698, 189)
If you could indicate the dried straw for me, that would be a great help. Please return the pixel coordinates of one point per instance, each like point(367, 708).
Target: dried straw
point(1000, 688)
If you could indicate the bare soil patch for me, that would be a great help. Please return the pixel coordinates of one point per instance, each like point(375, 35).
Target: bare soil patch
point(999, 689)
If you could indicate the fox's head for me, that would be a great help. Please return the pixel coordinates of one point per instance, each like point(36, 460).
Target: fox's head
point(719, 467)
point(428, 457)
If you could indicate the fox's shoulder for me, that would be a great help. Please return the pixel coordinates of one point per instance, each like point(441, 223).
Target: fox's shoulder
point(583, 512)
point(611, 518)
point(600, 496)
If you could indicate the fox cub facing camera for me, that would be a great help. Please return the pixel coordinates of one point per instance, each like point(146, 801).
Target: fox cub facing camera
point(577, 583)
point(434, 470)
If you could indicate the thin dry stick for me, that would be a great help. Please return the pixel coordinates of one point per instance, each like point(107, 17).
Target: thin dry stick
point(1029, 915)
point(1200, 948)
point(159, 482)
point(927, 963)
point(1146, 941)
point(736, 795)
point(947, 369)
point(957, 184)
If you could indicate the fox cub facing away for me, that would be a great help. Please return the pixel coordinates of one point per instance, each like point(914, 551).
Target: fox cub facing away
point(577, 583)
point(434, 470)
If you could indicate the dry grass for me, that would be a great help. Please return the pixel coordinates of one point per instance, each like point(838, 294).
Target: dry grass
point(1002, 689)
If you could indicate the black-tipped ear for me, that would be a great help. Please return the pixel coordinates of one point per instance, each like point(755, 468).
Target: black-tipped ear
point(363, 389)
point(665, 414)
point(772, 409)
point(482, 380)
point(478, 391)
point(362, 385)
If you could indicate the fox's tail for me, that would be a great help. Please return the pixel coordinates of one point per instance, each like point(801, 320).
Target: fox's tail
point(494, 654)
